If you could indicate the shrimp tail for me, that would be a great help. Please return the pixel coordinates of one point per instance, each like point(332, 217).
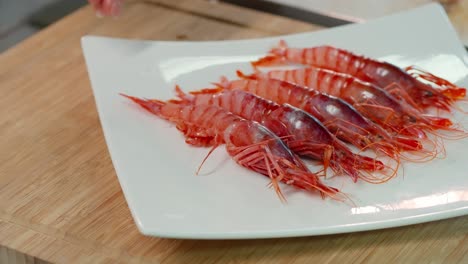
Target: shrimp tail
point(280, 50)
point(193, 135)
point(219, 88)
point(184, 97)
point(223, 84)
point(153, 106)
point(242, 75)
point(224, 80)
point(276, 56)
point(269, 60)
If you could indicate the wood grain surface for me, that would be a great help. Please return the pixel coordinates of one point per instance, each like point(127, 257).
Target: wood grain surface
point(60, 199)
point(458, 14)
point(14, 257)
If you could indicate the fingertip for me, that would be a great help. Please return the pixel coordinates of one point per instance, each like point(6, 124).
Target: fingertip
point(115, 8)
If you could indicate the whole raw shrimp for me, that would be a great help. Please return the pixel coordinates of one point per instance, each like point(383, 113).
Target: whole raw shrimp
point(338, 116)
point(250, 144)
point(385, 75)
point(301, 132)
point(374, 103)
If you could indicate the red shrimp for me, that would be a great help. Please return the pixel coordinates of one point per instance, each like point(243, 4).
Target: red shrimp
point(374, 103)
point(250, 144)
point(338, 116)
point(383, 74)
point(302, 133)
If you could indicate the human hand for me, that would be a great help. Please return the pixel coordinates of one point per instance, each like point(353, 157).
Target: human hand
point(106, 7)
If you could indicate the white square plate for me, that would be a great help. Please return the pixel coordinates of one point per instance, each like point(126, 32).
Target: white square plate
point(156, 169)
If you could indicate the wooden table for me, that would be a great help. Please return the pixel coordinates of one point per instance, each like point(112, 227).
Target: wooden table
point(60, 199)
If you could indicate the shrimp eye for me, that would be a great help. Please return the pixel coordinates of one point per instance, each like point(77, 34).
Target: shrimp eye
point(412, 119)
point(428, 93)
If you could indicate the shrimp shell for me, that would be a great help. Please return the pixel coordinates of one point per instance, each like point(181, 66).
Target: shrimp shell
point(393, 79)
point(338, 116)
point(303, 133)
point(373, 102)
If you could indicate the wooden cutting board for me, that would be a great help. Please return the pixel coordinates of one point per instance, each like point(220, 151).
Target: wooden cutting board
point(60, 199)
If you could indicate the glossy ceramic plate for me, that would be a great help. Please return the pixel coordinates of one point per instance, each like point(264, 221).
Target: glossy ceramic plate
point(156, 169)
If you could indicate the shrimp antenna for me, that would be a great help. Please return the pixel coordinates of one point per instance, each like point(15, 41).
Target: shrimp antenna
point(274, 180)
point(421, 155)
point(458, 132)
point(395, 90)
point(206, 157)
point(457, 106)
point(374, 179)
point(370, 178)
point(426, 154)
